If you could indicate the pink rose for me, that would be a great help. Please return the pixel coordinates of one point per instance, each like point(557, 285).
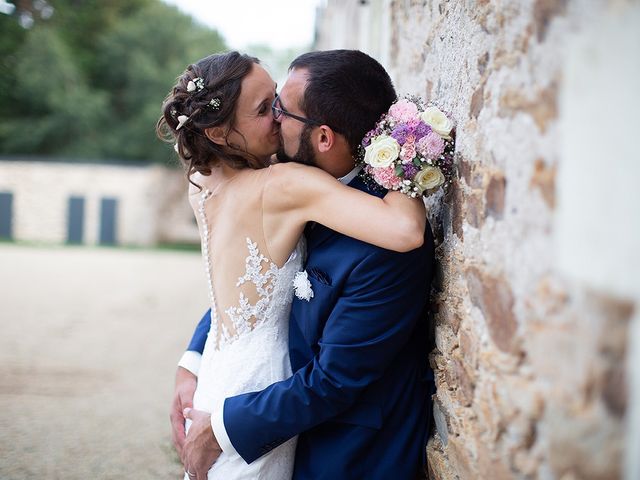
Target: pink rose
point(408, 152)
point(386, 177)
point(403, 111)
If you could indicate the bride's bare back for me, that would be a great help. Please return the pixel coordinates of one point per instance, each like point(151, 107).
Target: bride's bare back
point(242, 267)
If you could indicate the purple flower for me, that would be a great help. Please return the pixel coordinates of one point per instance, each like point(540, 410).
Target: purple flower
point(431, 146)
point(400, 133)
point(421, 130)
point(410, 170)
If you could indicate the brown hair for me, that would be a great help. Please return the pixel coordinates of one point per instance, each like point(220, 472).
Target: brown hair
point(222, 76)
point(346, 89)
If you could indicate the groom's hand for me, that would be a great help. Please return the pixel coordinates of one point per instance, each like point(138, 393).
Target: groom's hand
point(201, 448)
point(182, 398)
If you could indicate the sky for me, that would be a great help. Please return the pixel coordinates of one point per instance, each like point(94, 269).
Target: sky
point(280, 24)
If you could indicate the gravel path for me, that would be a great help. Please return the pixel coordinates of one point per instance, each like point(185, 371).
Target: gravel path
point(89, 342)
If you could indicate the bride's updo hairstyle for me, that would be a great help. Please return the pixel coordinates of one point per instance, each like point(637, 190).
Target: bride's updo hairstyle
point(205, 96)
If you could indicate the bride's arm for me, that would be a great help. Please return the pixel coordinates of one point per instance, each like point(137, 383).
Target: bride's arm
point(395, 222)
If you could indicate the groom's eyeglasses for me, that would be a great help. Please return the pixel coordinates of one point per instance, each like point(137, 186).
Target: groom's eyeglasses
point(278, 110)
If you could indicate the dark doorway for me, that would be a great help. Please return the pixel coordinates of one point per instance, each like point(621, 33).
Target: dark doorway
point(6, 216)
point(75, 219)
point(108, 216)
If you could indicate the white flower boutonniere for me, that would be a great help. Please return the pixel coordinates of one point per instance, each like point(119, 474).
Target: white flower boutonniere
point(302, 286)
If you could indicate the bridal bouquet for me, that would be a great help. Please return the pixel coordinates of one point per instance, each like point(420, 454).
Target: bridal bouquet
point(410, 149)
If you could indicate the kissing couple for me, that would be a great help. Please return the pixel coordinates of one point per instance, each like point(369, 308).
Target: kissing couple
point(312, 360)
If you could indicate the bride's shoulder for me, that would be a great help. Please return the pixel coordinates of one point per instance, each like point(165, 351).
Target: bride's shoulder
point(291, 175)
point(287, 168)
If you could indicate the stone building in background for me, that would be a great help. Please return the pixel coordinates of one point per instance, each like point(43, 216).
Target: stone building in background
point(56, 202)
point(537, 326)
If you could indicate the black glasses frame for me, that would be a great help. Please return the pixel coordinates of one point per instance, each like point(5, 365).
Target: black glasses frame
point(279, 111)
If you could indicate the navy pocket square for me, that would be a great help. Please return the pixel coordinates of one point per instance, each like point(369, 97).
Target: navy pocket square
point(319, 275)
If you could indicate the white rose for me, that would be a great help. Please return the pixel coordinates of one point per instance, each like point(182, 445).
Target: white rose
point(382, 151)
point(430, 177)
point(438, 121)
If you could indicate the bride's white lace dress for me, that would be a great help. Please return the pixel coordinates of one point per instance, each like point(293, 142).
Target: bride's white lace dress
point(247, 347)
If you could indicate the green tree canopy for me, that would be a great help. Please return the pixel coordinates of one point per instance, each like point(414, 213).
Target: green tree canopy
point(89, 80)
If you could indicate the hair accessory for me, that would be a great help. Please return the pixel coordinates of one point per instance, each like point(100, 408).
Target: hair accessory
point(215, 103)
point(182, 119)
point(195, 85)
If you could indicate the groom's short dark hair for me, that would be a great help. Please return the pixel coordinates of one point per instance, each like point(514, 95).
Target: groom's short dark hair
point(347, 89)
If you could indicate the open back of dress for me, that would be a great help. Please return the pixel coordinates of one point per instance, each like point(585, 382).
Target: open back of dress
point(247, 346)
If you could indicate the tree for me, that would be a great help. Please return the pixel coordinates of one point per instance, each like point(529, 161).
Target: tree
point(140, 59)
point(88, 81)
point(54, 112)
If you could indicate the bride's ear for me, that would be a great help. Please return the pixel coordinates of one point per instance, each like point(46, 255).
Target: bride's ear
point(217, 135)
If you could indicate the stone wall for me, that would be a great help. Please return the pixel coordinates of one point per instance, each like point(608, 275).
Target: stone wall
point(536, 291)
point(152, 204)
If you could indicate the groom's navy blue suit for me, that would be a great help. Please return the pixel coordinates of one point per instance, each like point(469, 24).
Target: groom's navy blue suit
point(360, 395)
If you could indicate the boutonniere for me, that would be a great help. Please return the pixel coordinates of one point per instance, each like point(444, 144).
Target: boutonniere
point(302, 286)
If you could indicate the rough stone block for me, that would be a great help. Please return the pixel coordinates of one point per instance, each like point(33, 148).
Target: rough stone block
point(544, 179)
point(494, 298)
point(495, 196)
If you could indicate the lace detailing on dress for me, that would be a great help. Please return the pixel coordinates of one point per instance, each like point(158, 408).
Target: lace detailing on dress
point(247, 347)
point(272, 284)
point(253, 263)
point(242, 315)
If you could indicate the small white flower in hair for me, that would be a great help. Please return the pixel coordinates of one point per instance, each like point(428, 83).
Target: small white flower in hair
point(302, 286)
point(175, 147)
point(195, 84)
point(182, 119)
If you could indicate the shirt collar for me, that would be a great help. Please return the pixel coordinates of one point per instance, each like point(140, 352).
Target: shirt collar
point(350, 176)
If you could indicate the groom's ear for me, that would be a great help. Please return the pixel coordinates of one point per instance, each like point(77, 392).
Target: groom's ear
point(326, 138)
point(217, 135)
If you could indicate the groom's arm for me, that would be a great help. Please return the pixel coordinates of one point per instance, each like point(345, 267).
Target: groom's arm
point(192, 356)
point(369, 325)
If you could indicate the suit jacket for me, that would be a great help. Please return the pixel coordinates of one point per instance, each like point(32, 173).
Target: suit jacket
point(360, 395)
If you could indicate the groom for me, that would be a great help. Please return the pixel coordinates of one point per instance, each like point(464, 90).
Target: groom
point(360, 394)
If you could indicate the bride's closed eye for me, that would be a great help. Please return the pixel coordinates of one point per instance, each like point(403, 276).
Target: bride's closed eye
point(264, 108)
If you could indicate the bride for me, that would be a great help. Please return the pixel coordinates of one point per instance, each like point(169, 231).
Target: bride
point(251, 216)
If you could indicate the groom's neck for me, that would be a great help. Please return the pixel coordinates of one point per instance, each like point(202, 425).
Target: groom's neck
point(336, 165)
point(344, 169)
